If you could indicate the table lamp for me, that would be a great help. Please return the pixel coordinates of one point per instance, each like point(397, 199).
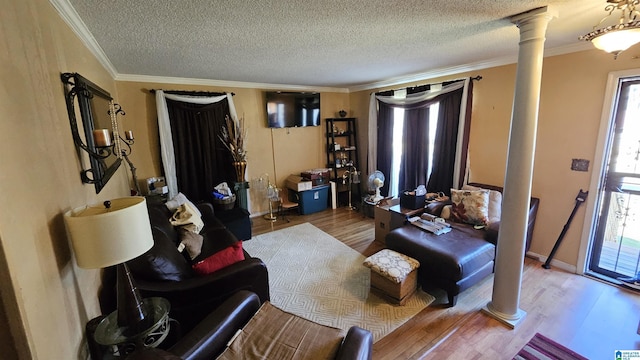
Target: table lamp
point(112, 234)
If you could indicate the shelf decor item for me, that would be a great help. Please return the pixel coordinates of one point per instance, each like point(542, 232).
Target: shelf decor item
point(233, 136)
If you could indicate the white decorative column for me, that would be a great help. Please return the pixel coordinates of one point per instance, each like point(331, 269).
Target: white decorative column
point(504, 304)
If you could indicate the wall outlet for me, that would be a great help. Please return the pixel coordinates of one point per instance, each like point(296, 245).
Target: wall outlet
point(580, 165)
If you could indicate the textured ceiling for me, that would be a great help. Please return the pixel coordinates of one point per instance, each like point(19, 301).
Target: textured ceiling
point(333, 43)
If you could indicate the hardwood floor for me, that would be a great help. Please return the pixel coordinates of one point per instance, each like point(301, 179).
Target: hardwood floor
point(588, 316)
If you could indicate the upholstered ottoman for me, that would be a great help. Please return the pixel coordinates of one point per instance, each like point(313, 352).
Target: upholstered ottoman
point(393, 275)
point(453, 261)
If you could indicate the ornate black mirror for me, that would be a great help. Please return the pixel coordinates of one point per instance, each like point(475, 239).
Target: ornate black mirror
point(100, 138)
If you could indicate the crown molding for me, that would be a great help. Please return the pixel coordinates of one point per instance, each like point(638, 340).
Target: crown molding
point(568, 49)
point(224, 83)
point(435, 73)
point(71, 17)
point(455, 70)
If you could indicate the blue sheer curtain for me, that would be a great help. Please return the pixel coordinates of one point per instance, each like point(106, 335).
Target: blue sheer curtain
point(414, 162)
point(385, 145)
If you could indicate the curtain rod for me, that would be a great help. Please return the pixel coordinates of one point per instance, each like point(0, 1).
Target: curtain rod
point(475, 78)
point(190, 92)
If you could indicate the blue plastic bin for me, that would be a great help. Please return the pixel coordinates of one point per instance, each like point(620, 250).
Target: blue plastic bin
point(314, 200)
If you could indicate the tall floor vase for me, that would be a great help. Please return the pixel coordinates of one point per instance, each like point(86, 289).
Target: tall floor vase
point(241, 168)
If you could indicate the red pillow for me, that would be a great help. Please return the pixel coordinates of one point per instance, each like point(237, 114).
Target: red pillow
point(219, 260)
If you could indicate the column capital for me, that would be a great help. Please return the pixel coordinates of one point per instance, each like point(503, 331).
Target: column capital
point(542, 13)
point(533, 23)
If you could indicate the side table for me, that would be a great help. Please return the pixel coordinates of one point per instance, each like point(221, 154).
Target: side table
point(368, 207)
point(389, 215)
point(400, 215)
point(109, 334)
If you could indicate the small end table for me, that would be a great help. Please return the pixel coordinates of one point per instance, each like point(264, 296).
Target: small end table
point(399, 215)
point(109, 334)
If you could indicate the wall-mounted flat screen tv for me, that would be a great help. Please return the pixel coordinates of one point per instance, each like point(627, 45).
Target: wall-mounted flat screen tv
point(292, 109)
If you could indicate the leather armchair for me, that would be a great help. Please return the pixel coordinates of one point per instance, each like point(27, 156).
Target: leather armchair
point(165, 272)
point(210, 337)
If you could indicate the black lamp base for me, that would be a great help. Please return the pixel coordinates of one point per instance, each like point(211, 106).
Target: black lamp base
point(132, 314)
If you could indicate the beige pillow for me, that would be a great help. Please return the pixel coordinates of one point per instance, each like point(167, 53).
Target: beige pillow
point(470, 206)
point(191, 241)
point(495, 203)
point(446, 212)
point(181, 199)
point(187, 217)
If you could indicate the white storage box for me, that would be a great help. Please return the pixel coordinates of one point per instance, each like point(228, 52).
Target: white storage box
point(297, 183)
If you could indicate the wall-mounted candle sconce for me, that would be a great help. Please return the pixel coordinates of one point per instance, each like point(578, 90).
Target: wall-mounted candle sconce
point(125, 152)
point(102, 141)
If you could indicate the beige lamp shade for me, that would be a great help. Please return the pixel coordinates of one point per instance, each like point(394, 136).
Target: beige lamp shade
point(104, 237)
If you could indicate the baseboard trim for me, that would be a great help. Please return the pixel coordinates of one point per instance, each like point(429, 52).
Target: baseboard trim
point(555, 263)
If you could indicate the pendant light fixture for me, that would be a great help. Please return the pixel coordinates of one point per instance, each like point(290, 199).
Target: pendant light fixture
point(618, 37)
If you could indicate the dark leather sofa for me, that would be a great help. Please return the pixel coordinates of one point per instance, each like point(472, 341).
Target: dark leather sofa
point(165, 272)
point(210, 337)
point(456, 260)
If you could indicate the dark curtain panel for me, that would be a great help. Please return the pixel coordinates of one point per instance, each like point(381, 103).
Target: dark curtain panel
point(202, 162)
point(415, 145)
point(415, 148)
point(444, 152)
point(385, 142)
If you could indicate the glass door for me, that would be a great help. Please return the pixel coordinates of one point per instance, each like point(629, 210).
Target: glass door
point(616, 246)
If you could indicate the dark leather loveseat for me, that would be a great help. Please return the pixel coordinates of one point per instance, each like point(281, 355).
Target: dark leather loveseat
point(210, 337)
point(456, 260)
point(165, 272)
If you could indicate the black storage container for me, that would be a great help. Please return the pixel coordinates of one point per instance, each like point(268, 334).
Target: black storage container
point(409, 200)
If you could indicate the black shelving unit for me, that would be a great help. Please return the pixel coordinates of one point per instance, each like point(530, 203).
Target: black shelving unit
point(342, 148)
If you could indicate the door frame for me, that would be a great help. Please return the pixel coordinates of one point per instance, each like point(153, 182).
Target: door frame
point(600, 157)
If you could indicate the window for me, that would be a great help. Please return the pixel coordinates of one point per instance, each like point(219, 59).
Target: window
point(398, 129)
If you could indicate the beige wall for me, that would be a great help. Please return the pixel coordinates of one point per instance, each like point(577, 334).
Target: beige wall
point(48, 299)
point(276, 152)
point(571, 101)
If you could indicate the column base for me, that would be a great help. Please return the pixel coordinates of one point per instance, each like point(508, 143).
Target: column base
point(510, 321)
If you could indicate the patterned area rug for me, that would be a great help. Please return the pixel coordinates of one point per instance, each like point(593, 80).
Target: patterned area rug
point(313, 275)
point(541, 347)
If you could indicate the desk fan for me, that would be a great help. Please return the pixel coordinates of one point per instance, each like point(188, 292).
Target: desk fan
point(374, 183)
